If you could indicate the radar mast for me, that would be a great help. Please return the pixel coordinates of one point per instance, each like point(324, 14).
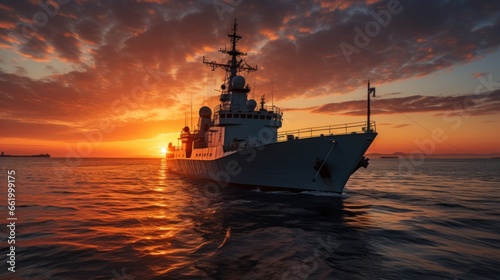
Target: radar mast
point(235, 64)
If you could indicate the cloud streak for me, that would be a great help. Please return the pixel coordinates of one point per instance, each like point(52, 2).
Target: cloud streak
point(474, 104)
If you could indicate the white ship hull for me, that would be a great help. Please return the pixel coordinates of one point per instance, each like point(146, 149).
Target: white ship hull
point(284, 165)
point(239, 143)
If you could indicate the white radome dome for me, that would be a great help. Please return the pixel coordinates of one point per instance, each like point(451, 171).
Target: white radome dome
point(205, 112)
point(251, 104)
point(238, 82)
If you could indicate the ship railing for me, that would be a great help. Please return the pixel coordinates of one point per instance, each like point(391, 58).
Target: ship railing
point(218, 108)
point(272, 108)
point(348, 128)
point(227, 107)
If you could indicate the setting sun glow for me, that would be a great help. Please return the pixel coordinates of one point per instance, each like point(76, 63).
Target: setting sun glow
point(163, 150)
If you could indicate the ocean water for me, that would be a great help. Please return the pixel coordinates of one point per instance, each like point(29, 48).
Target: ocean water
point(130, 219)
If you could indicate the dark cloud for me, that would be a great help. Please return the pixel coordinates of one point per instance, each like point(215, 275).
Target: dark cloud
point(104, 131)
point(474, 104)
point(117, 46)
point(43, 131)
point(479, 74)
point(401, 125)
point(393, 125)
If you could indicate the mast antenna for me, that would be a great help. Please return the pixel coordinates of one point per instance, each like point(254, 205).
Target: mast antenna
point(254, 89)
point(235, 63)
point(272, 93)
point(370, 91)
point(191, 110)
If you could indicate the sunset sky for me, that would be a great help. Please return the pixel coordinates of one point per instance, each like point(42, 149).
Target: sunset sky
point(116, 78)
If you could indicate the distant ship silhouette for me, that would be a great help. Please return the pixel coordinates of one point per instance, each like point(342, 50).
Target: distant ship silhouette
point(39, 155)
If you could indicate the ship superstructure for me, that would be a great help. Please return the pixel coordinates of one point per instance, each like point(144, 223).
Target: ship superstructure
point(238, 142)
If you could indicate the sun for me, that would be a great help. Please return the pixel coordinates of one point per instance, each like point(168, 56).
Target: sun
point(163, 150)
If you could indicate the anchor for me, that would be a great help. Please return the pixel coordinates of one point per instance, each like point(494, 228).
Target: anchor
point(363, 162)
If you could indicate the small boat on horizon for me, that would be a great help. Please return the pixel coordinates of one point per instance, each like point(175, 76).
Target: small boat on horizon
point(39, 155)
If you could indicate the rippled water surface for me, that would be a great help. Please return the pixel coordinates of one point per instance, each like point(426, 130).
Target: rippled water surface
point(131, 219)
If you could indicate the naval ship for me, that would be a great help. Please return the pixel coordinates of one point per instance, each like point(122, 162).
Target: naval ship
point(238, 143)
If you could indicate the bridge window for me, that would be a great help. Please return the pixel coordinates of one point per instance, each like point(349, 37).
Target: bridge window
point(222, 116)
point(262, 117)
point(268, 117)
point(255, 116)
point(243, 116)
point(236, 115)
point(229, 115)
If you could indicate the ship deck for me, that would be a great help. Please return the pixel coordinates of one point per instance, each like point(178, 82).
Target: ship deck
point(337, 129)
